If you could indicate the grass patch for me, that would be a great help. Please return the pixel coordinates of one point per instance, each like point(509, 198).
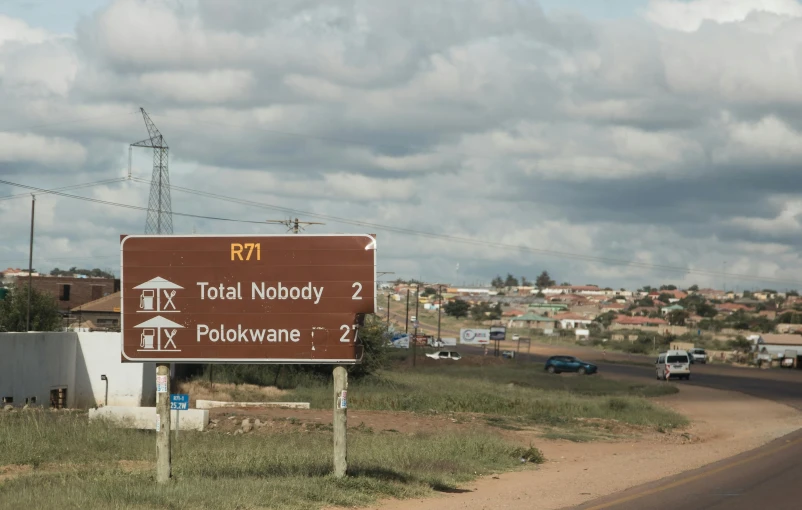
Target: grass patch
point(526, 394)
point(288, 470)
point(571, 435)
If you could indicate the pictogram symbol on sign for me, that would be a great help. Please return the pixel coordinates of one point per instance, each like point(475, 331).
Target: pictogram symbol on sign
point(157, 296)
point(151, 337)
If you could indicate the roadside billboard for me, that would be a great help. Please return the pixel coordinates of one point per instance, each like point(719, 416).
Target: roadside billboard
point(246, 299)
point(474, 336)
point(448, 341)
point(498, 333)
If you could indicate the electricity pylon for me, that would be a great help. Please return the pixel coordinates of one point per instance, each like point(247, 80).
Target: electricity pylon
point(160, 210)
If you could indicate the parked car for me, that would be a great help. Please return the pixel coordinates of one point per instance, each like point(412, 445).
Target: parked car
point(698, 355)
point(516, 337)
point(557, 364)
point(673, 364)
point(445, 355)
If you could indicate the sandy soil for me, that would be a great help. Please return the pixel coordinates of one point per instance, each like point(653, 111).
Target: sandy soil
point(576, 473)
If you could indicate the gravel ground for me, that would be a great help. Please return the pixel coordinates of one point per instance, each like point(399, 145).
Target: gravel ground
point(723, 424)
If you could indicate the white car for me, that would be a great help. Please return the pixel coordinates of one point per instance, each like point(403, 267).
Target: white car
point(445, 355)
point(698, 355)
point(673, 364)
point(516, 337)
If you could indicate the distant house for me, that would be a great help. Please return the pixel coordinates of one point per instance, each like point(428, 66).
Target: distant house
point(624, 320)
point(777, 345)
point(711, 293)
point(532, 321)
point(548, 308)
point(729, 308)
point(672, 308)
point(103, 312)
point(572, 320)
point(613, 307)
point(574, 289)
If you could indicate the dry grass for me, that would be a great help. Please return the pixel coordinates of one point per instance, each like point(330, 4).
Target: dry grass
point(227, 392)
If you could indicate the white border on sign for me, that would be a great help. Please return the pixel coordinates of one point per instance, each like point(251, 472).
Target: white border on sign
point(294, 361)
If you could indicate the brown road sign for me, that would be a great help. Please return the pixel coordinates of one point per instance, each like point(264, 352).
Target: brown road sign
point(246, 299)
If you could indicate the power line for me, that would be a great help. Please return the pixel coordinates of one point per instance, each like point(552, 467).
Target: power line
point(476, 242)
point(66, 188)
point(72, 121)
point(125, 206)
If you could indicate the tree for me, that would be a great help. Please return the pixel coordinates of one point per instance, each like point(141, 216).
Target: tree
point(665, 297)
point(511, 281)
point(694, 288)
point(606, 318)
point(740, 344)
point(96, 272)
point(525, 282)
point(14, 310)
point(486, 311)
point(374, 337)
point(566, 284)
point(677, 317)
point(457, 308)
point(747, 294)
point(544, 280)
point(668, 287)
point(706, 310)
point(429, 291)
point(497, 282)
point(792, 293)
point(647, 301)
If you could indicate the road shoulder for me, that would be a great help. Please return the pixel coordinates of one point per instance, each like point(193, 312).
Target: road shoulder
point(724, 424)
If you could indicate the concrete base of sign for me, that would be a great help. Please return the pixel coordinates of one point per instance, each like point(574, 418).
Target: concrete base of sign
point(144, 418)
point(209, 404)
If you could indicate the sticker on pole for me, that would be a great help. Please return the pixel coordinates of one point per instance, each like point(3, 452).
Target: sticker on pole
point(158, 422)
point(161, 383)
point(343, 401)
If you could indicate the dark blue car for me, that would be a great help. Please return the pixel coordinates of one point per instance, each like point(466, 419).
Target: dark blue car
point(557, 364)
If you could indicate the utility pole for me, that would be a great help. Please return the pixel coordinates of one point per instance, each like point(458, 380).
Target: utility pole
point(415, 345)
point(30, 266)
point(439, 310)
point(295, 226)
point(406, 324)
point(388, 310)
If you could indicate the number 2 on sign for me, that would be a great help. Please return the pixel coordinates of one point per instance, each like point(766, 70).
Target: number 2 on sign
point(345, 329)
point(358, 290)
point(238, 248)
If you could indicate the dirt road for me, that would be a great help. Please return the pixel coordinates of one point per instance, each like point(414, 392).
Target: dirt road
point(724, 424)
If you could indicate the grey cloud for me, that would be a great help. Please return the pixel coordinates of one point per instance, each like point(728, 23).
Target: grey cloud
point(483, 119)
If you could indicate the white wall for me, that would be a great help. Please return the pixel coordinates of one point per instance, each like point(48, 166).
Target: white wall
point(31, 364)
point(130, 384)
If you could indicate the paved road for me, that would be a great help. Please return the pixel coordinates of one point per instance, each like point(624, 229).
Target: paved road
point(763, 478)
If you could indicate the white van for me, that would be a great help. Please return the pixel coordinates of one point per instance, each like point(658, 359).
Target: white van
point(673, 364)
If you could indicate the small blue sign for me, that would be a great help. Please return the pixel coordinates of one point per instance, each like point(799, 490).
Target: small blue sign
point(179, 402)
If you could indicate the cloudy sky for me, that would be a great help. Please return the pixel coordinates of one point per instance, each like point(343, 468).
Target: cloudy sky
point(664, 132)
